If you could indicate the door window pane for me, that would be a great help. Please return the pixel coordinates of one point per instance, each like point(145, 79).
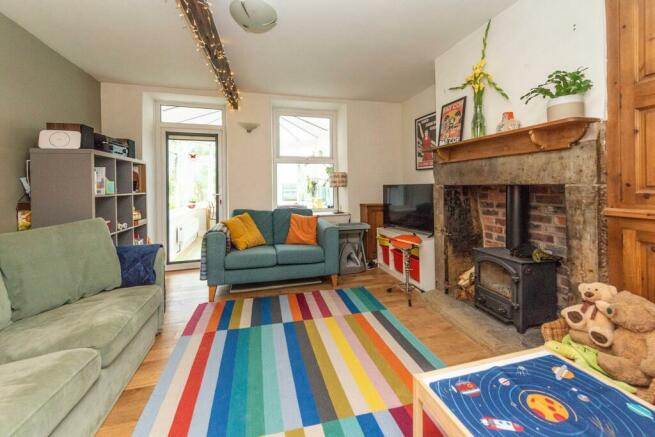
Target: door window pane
point(192, 176)
point(190, 115)
point(305, 185)
point(305, 136)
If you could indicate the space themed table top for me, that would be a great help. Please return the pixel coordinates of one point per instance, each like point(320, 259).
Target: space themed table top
point(536, 393)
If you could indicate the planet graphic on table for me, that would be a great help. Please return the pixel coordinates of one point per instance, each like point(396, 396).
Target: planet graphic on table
point(546, 407)
point(504, 381)
point(584, 398)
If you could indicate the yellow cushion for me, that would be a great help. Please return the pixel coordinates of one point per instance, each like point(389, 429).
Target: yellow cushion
point(302, 229)
point(244, 233)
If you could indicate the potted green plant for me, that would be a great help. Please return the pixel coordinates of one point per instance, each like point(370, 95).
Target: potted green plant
point(565, 91)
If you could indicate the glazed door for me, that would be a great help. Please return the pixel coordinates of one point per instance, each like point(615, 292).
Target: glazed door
point(192, 193)
point(631, 144)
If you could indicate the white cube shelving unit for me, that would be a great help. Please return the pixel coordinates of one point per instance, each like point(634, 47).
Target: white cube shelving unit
point(425, 258)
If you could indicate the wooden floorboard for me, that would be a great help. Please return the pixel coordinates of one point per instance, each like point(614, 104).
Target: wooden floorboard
point(185, 291)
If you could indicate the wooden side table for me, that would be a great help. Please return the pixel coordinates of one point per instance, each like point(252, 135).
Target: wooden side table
point(532, 392)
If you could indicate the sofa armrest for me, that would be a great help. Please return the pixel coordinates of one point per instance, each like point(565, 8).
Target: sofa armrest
point(160, 266)
point(328, 239)
point(216, 245)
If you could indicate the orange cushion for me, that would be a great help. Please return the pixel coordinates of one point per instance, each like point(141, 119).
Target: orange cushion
point(302, 229)
point(244, 233)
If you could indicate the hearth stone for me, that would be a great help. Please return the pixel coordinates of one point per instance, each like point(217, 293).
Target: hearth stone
point(515, 290)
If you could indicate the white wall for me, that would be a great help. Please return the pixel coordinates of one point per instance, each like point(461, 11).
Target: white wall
point(527, 41)
point(368, 137)
point(417, 106)
point(374, 156)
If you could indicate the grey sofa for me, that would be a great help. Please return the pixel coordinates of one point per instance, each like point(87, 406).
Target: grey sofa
point(70, 338)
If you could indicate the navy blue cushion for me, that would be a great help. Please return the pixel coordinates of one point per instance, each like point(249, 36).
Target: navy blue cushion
point(137, 264)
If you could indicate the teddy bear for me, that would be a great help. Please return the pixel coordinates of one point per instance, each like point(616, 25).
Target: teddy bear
point(632, 352)
point(585, 318)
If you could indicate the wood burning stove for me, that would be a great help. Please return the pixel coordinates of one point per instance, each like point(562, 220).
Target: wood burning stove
point(508, 283)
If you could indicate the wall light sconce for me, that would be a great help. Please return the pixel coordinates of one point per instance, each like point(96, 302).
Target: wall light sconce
point(248, 126)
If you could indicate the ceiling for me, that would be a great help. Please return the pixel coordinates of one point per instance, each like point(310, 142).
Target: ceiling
point(381, 50)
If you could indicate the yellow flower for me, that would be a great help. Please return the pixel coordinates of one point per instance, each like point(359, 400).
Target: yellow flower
point(475, 87)
point(483, 62)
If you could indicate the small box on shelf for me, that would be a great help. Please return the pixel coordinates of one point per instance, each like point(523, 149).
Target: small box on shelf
point(139, 178)
point(397, 260)
point(414, 268)
point(99, 176)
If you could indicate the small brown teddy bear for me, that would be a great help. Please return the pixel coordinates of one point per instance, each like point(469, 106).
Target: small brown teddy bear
point(632, 357)
point(585, 319)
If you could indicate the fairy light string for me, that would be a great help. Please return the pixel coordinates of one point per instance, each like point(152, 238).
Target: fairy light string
point(200, 20)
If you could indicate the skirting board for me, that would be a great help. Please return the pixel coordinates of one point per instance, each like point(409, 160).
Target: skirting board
point(272, 285)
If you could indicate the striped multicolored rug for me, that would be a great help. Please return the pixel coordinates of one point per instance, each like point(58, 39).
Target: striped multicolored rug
point(321, 363)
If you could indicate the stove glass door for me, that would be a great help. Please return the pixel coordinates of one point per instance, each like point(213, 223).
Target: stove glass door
point(496, 279)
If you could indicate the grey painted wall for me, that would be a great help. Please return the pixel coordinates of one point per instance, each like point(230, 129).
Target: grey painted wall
point(37, 85)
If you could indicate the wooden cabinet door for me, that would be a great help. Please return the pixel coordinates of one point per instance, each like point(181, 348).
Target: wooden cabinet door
point(631, 144)
point(632, 102)
point(633, 241)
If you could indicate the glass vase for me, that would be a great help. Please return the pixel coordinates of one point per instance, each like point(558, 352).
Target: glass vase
point(478, 126)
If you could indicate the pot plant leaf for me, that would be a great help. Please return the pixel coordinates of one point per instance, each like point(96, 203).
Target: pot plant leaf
point(560, 83)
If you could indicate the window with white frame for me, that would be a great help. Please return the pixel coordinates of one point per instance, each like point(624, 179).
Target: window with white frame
point(305, 155)
point(191, 115)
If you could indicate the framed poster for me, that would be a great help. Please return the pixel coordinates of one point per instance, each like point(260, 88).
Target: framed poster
point(451, 127)
point(425, 137)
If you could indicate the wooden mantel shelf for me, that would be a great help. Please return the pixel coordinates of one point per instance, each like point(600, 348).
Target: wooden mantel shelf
point(545, 137)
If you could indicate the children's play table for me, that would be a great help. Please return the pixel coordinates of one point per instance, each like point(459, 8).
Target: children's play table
point(533, 392)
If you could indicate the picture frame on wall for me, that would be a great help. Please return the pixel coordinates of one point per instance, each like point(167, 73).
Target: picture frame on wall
point(451, 125)
point(425, 137)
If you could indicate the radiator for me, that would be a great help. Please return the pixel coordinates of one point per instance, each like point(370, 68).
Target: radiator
point(186, 232)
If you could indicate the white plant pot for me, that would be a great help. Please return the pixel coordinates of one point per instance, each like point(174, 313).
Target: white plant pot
point(565, 107)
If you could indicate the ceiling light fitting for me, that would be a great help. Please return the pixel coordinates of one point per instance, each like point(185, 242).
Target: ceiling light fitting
point(254, 16)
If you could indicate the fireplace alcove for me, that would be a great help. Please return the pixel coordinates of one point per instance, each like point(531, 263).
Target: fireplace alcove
point(576, 168)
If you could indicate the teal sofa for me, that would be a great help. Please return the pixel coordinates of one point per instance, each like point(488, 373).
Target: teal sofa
point(276, 261)
point(70, 337)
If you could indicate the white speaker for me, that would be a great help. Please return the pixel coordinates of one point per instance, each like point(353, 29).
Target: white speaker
point(59, 139)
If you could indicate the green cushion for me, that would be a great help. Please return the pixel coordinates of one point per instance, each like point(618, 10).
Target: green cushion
point(36, 394)
point(281, 221)
point(255, 257)
point(298, 254)
point(5, 306)
point(105, 322)
point(263, 220)
point(47, 267)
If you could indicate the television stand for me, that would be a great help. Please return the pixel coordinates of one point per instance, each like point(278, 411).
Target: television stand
point(423, 260)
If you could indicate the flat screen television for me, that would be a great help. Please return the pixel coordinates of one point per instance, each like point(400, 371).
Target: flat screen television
point(409, 206)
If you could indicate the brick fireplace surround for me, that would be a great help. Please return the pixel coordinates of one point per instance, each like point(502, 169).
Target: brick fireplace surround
point(567, 197)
